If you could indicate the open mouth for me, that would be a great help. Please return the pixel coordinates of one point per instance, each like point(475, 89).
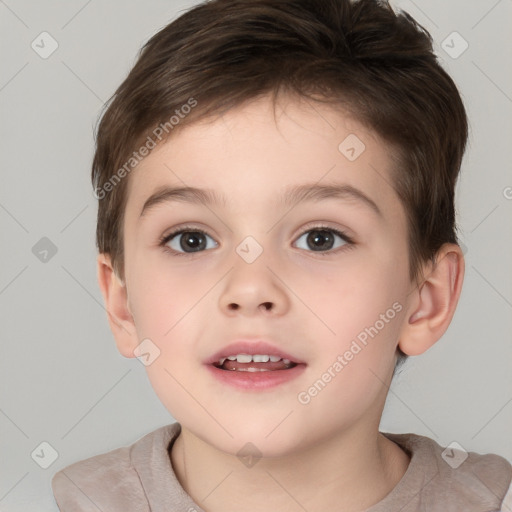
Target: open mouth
point(254, 366)
point(254, 363)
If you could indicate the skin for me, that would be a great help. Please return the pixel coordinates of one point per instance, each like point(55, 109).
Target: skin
point(320, 302)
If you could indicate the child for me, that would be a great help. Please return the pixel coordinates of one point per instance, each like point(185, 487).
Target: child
point(308, 152)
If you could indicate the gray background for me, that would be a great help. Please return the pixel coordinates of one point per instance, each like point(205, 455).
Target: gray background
point(63, 381)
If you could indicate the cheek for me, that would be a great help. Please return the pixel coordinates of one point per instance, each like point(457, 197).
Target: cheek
point(164, 311)
point(164, 295)
point(346, 299)
point(168, 310)
point(353, 366)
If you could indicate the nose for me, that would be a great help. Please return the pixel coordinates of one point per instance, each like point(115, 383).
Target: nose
point(264, 306)
point(254, 288)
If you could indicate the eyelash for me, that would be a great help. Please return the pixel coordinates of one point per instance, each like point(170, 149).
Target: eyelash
point(166, 238)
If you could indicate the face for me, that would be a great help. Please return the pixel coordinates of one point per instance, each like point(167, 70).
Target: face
point(319, 279)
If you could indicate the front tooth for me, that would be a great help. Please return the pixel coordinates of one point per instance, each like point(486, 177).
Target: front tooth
point(258, 358)
point(274, 359)
point(243, 358)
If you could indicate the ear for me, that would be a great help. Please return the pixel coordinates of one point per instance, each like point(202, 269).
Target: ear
point(116, 302)
point(434, 302)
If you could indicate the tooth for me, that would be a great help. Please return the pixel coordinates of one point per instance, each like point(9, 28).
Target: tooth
point(232, 358)
point(221, 362)
point(258, 358)
point(286, 361)
point(243, 358)
point(274, 359)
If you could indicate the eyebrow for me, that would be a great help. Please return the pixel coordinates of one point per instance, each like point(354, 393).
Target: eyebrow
point(290, 197)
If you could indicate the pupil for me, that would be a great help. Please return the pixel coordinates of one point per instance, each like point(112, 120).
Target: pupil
point(191, 238)
point(319, 238)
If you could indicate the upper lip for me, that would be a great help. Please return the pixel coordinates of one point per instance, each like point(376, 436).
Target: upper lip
point(251, 348)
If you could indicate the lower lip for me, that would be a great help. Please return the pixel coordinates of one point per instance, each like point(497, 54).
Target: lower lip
point(256, 381)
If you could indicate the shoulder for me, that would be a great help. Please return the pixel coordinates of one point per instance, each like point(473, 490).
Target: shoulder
point(110, 481)
point(103, 482)
point(455, 476)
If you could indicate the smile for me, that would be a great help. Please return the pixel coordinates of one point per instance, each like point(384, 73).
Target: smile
point(254, 363)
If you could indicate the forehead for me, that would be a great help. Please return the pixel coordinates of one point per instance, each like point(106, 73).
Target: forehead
point(255, 152)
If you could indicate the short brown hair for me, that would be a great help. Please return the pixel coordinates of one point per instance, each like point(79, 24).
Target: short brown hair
point(377, 64)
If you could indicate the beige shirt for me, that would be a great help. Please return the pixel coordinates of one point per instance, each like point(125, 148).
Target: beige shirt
point(140, 478)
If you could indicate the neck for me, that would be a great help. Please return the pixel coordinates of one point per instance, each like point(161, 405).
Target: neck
point(354, 469)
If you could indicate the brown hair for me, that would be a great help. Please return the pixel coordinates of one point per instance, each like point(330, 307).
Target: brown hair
point(379, 65)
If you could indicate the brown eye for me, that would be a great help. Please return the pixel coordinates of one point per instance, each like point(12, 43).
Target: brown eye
point(323, 239)
point(188, 241)
point(320, 240)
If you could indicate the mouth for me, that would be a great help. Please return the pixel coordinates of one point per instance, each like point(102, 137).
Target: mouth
point(254, 363)
point(254, 366)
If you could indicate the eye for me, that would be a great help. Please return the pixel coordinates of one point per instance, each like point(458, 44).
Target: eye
point(323, 239)
point(187, 240)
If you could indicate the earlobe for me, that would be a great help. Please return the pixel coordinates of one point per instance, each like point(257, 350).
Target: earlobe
point(435, 302)
point(115, 297)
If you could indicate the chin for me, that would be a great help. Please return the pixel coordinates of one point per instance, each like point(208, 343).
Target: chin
point(255, 438)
